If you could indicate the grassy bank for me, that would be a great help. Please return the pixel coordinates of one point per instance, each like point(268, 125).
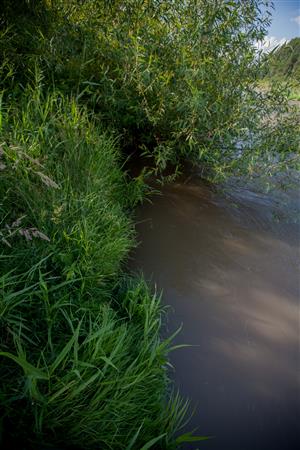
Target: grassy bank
point(82, 362)
point(282, 66)
point(283, 63)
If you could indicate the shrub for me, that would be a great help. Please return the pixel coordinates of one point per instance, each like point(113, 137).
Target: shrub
point(177, 80)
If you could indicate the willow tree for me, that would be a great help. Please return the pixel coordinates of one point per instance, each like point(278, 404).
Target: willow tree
point(176, 79)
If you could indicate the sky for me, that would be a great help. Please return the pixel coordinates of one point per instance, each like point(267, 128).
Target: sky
point(285, 23)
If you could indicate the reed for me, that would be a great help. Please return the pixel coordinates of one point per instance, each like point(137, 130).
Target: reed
point(82, 362)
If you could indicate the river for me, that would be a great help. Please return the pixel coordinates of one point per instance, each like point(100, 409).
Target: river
point(228, 265)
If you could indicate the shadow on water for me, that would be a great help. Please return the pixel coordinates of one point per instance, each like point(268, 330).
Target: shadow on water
point(231, 276)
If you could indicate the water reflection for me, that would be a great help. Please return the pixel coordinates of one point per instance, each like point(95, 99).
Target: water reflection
point(231, 275)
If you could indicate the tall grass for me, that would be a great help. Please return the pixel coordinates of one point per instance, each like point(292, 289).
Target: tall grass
point(70, 185)
point(82, 362)
point(82, 376)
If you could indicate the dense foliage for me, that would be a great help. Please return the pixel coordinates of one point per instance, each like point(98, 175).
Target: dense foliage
point(83, 84)
point(175, 79)
point(82, 362)
point(284, 62)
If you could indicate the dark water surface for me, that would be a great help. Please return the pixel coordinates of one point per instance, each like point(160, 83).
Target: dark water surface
point(230, 271)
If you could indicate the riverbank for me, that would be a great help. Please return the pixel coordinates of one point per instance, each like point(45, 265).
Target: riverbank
point(82, 360)
point(86, 89)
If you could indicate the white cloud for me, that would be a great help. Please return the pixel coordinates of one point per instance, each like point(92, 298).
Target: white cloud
point(296, 19)
point(269, 43)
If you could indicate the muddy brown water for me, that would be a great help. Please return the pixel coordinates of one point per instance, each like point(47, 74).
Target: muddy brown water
point(228, 266)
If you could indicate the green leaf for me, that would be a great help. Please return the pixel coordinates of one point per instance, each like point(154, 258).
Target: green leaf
point(109, 362)
point(65, 350)
point(133, 440)
point(28, 368)
point(153, 441)
point(188, 437)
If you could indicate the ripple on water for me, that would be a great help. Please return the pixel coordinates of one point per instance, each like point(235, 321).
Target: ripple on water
point(228, 263)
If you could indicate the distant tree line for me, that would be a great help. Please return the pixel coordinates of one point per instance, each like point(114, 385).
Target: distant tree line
point(284, 62)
